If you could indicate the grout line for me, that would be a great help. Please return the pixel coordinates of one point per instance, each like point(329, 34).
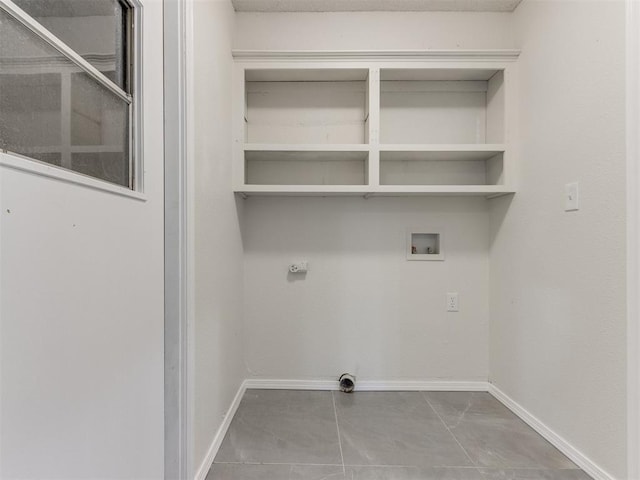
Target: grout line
point(335, 412)
point(448, 429)
point(437, 467)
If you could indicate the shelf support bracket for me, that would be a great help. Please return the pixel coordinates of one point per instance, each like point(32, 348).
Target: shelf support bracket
point(496, 195)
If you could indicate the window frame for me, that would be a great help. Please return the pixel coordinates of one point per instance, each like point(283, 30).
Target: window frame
point(133, 81)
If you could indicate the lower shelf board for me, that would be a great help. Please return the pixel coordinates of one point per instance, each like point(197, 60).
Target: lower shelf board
point(488, 191)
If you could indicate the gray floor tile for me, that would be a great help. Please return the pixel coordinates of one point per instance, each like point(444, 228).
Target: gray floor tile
point(492, 435)
point(291, 401)
point(408, 404)
point(454, 407)
point(293, 435)
point(412, 473)
point(534, 474)
point(271, 426)
point(507, 444)
point(394, 428)
point(229, 471)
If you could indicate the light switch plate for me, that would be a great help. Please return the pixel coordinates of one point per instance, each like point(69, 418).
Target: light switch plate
point(571, 197)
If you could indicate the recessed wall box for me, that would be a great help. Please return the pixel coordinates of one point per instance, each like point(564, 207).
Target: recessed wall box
point(424, 244)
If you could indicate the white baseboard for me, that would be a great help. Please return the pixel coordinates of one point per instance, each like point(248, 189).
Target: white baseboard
point(370, 385)
point(282, 384)
point(575, 455)
point(205, 466)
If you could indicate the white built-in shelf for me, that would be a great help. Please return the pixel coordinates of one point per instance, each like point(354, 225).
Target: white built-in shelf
point(444, 190)
point(306, 190)
point(449, 152)
point(431, 165)
point(295, 147)
point(379, 191)
point(415, 124)
point(306, 164)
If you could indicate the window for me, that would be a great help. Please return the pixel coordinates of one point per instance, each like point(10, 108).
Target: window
point(68, 86)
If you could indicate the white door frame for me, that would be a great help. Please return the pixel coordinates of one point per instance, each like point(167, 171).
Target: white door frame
point(633, 237)
point(178, 398)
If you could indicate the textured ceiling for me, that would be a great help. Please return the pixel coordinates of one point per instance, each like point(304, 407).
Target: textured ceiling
point(375, 5)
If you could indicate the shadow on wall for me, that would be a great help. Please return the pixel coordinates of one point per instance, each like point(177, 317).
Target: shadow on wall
point(497, 214)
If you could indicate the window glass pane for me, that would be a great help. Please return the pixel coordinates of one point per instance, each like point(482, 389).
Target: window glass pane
point(50, 110)
point(30, 110)
point(105, 165)
point(95, 29)
point(30, 91)
point(99, 130)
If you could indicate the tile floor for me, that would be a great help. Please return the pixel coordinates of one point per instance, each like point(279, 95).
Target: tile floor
point(314, 435)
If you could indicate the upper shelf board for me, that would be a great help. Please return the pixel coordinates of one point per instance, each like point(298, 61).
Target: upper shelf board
point(440, 152)
point(437, 74)
point(476, 56)
point(488, 191)
point(306, 75)
point(309, 147)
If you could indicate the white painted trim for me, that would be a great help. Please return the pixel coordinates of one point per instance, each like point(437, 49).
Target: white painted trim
point(188, 227)
point(575, 455)
point(422, 386)
point(205, 466)
point(481, 56)
point(370, 191)
point(136, 111)
point(282, 384)
point(333, 6)
point(34, 167)
point(633, 237)
point(306, 147)
point(369, 385)
point(176, 335)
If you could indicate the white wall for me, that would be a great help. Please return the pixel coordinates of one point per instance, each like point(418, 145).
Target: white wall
point(558, 278)
point(372, 31)
point(81, 316)
point(217, 248)
point(363, 306)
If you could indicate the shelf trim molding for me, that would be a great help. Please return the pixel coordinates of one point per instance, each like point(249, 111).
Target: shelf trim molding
point(480, 56)
point(368, 191)
point(306, 147)
point(442, 147)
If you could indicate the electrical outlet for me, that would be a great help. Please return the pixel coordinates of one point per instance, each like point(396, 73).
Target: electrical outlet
point(452, 302)
point(300, 267)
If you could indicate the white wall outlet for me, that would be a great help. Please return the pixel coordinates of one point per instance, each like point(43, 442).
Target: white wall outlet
point(300, 267)
point(453, 304)
point(571, 197)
